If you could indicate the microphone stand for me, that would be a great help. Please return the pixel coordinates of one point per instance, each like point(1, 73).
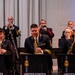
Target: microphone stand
point(15, 55)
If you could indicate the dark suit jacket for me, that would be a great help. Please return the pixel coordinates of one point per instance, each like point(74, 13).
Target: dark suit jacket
point(44, 43)
point(6, 58)
point(66, 44)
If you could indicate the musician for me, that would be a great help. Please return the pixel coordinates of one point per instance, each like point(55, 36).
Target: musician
point(70, 25)
point(66, 42)
point(6, 48)
point(42, 42)
point(46, 30)
point(14, 29)
point(66, 45)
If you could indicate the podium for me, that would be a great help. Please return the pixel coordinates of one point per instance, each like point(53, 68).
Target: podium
point(31, 64)
point(68, 64)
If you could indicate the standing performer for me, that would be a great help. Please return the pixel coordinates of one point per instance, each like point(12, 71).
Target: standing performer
point(15, 30)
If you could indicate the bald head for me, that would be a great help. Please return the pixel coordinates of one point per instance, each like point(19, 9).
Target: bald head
point(10, 18)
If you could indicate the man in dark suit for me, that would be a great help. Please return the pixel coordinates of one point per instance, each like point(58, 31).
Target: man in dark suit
point(11, 33)
point(11, 30)
point(42, 45)
point(6, 49)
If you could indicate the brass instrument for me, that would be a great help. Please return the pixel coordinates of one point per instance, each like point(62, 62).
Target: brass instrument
point(15, 48)
point(0, 45)
point(70, 48)
point(35, 44)
point(47, 50)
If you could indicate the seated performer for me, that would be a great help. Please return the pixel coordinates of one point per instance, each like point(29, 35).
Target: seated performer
point(70, 25)
point(38, 44)
point(67, 44)
point(6, 49)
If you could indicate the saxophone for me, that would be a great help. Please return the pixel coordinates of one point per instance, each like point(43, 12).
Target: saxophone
point(0, 46)
point(35, 45)
point(70, 48)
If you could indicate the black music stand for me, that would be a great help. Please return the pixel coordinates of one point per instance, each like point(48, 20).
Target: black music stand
point(33, 64)
point(68, 64)
point(5, 63)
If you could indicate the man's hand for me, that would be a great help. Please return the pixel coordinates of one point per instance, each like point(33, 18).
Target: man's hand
point(39, 50)
point(8, 24)
point(2, 51)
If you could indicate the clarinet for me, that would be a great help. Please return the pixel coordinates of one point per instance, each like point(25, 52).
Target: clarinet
point(10, 32)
